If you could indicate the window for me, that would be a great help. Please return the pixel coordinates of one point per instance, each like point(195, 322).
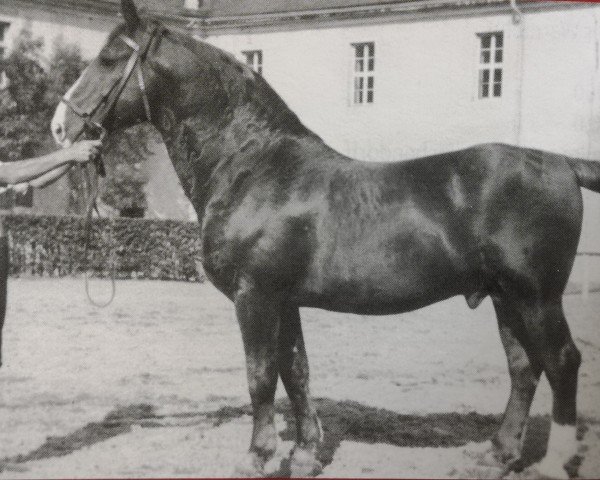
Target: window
point(192, 4)
point(254, 59)
point(364, 70)
point(491, 56)
point(3, 30)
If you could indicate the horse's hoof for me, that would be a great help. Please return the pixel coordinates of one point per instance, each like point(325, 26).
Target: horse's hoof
point(494, 461)
point(303, 463)
point(250, 466)
point(484, 454)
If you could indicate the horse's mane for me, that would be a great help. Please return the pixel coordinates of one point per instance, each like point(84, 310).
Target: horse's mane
point(244, 86)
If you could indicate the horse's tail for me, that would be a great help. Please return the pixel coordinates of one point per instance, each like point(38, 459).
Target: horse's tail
point(587, 173)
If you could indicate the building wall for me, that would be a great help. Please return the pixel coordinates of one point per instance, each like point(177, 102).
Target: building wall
point(426, 82)
point(89, 31)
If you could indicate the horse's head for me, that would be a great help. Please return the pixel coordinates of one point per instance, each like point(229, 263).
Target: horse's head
point(119, 88)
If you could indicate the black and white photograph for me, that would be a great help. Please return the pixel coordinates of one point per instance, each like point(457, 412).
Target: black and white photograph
point(294, 239)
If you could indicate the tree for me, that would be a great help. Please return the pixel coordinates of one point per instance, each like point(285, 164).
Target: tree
point(23, 110)
point(24, 118)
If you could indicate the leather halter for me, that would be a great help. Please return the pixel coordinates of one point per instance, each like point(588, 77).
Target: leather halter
point(93, 122)
point(94, 118)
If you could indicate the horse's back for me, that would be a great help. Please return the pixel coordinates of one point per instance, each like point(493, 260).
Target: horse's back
point(403, 235)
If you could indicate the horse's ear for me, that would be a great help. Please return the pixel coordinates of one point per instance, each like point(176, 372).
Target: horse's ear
point(130, 14)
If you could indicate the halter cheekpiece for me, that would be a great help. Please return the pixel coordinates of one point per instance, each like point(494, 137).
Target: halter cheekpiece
point(95, 117)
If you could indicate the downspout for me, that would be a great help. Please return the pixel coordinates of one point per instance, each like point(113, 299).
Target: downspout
point(593, 88)
point(589, 228)
point(516, 12)
point(517, 18)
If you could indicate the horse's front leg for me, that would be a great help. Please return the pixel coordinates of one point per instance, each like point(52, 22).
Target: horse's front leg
point(293, 369)
point(259, 316)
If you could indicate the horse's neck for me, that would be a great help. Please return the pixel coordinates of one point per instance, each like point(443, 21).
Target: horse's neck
point(204, 156)
point(209, 144)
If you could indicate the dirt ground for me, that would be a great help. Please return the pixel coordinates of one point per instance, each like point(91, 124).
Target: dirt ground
point(155, 386)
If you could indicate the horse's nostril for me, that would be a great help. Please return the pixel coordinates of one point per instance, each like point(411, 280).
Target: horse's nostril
point(58, 131)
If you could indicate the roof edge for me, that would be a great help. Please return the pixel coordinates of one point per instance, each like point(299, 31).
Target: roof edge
point(205, 26)
point(202, 23)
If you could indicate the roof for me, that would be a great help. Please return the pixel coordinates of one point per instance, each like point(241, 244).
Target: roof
point(249, 7)
point(223, 13)
point(228, 8)
point(241, 8)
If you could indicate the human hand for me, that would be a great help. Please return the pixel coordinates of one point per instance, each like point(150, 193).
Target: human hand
point(21, 187)
point(84, 151)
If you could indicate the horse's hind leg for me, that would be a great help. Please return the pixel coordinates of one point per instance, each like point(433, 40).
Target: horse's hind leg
point(259, 317)
point(293, 369)
point(561, 360)
point(536, 337)
point(540, 327)
point(525, 370)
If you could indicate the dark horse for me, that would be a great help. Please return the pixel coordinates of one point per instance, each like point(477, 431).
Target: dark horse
point(288, 222)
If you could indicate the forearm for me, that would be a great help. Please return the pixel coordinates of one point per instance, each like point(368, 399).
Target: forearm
point(26, 170)
point(50, 177)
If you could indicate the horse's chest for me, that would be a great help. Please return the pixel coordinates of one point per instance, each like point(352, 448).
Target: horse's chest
point(220, 253)
point(273, 249)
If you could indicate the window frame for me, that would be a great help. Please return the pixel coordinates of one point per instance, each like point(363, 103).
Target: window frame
point(490, 65)
point(362, 87)
point(254, 59)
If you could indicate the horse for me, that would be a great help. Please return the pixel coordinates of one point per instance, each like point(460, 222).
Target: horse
point(288, 222)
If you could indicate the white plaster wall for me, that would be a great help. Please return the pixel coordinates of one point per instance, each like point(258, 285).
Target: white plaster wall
point(88, 31)
point(425, 84)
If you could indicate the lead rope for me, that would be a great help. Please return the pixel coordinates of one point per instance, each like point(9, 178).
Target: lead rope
point(91, 207)
point(132, 64)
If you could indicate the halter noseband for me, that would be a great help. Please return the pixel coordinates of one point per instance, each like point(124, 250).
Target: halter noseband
point(94, 118)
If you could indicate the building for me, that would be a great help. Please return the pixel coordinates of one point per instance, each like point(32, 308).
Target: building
point(391, 80)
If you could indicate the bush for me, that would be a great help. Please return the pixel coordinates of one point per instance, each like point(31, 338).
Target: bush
point(138, 248)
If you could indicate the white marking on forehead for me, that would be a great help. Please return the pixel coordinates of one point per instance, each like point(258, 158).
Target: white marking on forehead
point(60, 115)
point(75, 85)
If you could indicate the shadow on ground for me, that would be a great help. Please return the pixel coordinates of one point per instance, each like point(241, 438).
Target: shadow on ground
point(342, 420)
point(353, 421)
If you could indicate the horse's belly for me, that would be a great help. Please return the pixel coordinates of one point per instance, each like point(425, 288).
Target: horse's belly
point(345, 299)
point(381, 291)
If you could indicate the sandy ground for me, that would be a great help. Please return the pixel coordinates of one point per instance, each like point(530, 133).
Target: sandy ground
point(176, 348)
